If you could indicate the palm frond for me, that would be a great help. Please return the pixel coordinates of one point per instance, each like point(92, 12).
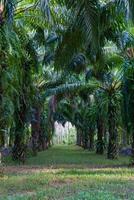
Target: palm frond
point(83, 30)
point(72, 88)
point(131, 8)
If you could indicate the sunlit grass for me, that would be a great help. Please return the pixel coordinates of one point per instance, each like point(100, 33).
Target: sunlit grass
point(68, 174)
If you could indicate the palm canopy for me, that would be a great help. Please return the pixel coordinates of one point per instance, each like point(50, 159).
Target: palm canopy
point(66, 41)
point(91, 25)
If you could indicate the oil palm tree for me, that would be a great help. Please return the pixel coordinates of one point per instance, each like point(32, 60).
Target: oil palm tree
point(19, 61)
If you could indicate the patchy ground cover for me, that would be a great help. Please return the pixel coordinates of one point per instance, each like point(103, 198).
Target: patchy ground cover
point(68, 173)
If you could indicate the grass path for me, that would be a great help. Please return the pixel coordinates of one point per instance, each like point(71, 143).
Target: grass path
point(68, 173)
point(70, 156)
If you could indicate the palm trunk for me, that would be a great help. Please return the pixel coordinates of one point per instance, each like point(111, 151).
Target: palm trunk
point(85, 140)
point(132, 162)
point(41, 143)
point(100, 136)
point(78, 137)
point(19, 148)
point(91, 141)
point(124, 138)
point(35, 130)
point(113, 135)
point(3, 66)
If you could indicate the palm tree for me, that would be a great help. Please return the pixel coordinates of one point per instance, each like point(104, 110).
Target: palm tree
point(72, 45)
point(17, 43)
point(129, 98)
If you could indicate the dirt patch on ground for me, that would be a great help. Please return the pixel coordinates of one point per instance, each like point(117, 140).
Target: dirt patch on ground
point(24, 169)
point(58, 183)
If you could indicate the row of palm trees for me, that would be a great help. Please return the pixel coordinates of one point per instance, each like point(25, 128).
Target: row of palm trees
point(107, 70)
point(54, 67)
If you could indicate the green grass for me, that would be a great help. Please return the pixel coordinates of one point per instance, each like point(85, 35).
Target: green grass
point(68, 173)
point(67, 156)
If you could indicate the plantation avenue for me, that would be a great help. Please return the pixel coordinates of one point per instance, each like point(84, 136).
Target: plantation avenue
point(66, 99)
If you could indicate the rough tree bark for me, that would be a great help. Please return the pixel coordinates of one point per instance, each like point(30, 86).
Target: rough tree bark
point(132, 160)
point(78, 137)
point(19, 149)
point(35, 126)
point(100, 136)
point(91, 141)
point(85, 139)
point(113, 134)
